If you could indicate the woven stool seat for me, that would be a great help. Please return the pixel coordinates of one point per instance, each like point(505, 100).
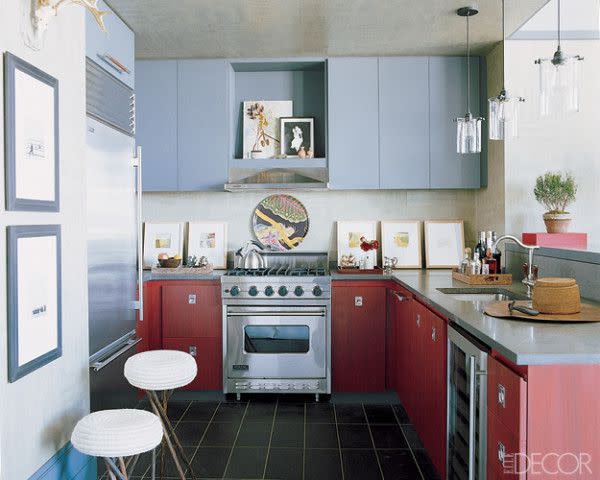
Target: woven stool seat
point(117, 433)
point(160, 369)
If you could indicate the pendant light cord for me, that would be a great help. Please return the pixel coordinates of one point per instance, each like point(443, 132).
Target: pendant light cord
point(468, 70)
point(558, 24)
point(503, 47)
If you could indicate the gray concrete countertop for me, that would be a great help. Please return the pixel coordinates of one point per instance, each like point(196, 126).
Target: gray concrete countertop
point(214, 275)
point(522, 342)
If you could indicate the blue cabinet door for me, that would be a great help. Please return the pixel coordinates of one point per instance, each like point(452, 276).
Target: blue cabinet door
point(353, 123)
point(116, 44)
point(156, 123)
point(448, 100)
point(202, 124)
point(404, 122)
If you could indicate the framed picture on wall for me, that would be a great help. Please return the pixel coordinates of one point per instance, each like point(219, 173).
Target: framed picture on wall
point(31, 137)
point(401, 240)
point(444, 243)
point(208, 239)
point(348, 239)
point(34, 298)
point(297, 136)
point(261, 126)
point(162, 238)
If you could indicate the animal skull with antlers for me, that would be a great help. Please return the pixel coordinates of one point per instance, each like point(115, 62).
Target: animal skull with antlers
point(44, 10)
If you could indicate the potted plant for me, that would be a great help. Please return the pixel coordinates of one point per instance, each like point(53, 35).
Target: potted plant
point(556, 190)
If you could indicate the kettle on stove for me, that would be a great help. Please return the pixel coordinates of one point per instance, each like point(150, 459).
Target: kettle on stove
point(249, 256)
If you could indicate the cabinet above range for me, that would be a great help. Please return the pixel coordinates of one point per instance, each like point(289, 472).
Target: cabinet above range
point(379, 123)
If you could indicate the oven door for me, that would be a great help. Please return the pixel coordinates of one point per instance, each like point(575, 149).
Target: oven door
point(276, 342)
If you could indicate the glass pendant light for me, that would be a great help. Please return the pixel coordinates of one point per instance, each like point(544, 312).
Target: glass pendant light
point(503, 109)
point(468, 128)
point(559, 80)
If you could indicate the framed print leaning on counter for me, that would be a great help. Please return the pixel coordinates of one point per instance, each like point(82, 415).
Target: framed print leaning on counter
point(34, 298)
point(208, 239)
point(162, 238)
point(31, 137)
point(444, 243)
point(402, 240)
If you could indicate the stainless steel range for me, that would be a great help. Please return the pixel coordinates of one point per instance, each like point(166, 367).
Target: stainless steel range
point(277, 326)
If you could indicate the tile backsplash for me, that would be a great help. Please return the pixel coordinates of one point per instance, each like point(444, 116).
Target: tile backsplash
point(324, 209)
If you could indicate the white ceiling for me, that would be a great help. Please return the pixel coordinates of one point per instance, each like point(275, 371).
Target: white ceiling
point(281, 28)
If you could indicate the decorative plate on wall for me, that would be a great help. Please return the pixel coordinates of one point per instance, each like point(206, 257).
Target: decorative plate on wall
point(280, 222)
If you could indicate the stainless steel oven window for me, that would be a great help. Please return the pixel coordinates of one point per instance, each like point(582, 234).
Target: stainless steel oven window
point(276, 339)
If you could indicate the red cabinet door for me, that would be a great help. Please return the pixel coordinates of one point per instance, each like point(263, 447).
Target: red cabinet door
point(358, 315)
point(191, 311)
point(392, 346)
point(207, 352)
point(416, 366)
point(400, 317)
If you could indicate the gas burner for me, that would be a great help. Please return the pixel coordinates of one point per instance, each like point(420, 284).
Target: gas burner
point(279, 271)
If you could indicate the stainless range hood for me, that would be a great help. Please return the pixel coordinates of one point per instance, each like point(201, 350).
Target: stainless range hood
point(279, 179)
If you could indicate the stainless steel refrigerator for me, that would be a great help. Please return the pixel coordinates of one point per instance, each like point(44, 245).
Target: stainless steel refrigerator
point(114, 234)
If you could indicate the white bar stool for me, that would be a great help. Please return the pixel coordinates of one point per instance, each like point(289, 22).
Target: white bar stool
point(117, 434)
point(162, 371)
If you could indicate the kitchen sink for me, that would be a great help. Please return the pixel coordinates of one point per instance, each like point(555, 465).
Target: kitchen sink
point(480, 294)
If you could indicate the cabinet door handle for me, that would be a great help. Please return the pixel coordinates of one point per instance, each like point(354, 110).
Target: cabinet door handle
point(418, 320)
point(358, 301)
point(193, 350)
point(401, 298)
point(433, 334)
point(191, 299)
point(502, 395)
point(501, 453)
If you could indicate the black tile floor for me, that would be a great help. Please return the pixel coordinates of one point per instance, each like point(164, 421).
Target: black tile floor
point(291, 438)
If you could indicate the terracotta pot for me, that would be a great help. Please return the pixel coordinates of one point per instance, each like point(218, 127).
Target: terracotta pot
point(557, 222)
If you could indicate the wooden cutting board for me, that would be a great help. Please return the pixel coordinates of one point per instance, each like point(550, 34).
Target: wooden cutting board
point(588, 313)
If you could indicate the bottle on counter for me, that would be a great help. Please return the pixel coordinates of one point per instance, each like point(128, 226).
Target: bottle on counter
point(475, 265)
point(497, 254)
point(464, 265)
point(489, 263)
point(480, 247)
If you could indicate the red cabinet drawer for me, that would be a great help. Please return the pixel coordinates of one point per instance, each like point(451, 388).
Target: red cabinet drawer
point(191, 311)
point(504, 449)
point(207, 352)
point(507, 397)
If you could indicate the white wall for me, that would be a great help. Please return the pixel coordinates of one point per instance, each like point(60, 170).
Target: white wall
point(38, 412)
point(570, 143)
point(324, 209)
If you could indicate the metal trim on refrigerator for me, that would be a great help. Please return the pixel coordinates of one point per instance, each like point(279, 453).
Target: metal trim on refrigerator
point(140, 253)
point(103, 357)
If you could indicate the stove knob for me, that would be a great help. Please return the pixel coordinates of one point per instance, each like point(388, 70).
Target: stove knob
point(234, 291)
point(317, 291)
point(283, 291)
point(253, 291)
point(298, 291)
point(269, 291)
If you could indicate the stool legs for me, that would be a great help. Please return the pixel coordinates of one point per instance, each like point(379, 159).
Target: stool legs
point(117, 469)
point(173, 443)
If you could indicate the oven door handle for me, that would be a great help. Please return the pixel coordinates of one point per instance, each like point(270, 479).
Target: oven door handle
point(286, 313)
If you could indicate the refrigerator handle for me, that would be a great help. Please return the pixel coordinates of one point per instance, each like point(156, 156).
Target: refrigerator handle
point(140, 251)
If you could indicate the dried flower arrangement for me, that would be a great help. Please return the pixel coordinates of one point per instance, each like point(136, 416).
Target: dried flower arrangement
point(256, 111)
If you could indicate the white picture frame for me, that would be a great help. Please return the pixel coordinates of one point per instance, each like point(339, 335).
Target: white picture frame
point(444, 243)
point(348, 238)
point(296, 132)
point(162, 238)
point(273, 110)
point(402, 240)
point(208, 239)
point(34, 298)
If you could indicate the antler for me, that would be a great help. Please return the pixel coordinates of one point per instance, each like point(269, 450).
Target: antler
point(91, 5)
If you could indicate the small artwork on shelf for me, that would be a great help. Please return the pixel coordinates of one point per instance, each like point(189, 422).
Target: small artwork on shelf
point(444, 243)
point(297, 136)
point(162, 238)
point(401, 240)
point(208, 239)
point(261, 126)
point(349, 236)
point(31, 136)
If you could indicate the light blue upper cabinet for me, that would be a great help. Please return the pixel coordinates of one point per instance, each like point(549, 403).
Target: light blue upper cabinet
point(156, 123)
point(202, 124)
point(113, 50)
point(448, 100)
point(353, 114)
point(404, 122)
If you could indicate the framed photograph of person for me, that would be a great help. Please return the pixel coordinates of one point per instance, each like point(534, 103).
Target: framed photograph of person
point(297, 134)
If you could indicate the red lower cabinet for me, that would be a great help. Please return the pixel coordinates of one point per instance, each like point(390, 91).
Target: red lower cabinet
point(207, 352)
point(358, 350)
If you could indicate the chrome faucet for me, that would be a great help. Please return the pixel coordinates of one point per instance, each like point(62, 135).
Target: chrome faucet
point(529, 280)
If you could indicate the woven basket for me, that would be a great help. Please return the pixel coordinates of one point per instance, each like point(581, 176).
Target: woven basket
point(558, 296)
point(170, 262)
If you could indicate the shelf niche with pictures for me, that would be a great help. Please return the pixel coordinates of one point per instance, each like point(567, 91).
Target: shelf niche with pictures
point(303, 81)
